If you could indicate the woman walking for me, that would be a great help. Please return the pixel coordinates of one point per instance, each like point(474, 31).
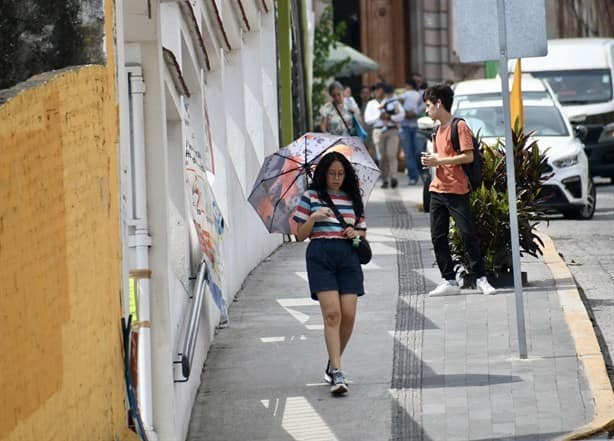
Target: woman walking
point(336, 116)
point(333, 268)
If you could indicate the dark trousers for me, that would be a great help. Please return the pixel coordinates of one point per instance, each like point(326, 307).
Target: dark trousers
point(444, 205)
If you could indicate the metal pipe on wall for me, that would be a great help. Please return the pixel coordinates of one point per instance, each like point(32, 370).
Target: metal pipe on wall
point(141, 241)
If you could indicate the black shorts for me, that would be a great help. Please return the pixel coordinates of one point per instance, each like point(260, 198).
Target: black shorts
point(333, 265)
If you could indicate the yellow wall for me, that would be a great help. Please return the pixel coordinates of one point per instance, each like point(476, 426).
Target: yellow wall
point(61, 375)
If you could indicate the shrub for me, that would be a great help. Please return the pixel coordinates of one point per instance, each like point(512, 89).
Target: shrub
point(325, 38)
point(490, 206)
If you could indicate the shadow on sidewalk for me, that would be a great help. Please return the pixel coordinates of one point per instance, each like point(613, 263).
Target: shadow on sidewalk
point(467, 380)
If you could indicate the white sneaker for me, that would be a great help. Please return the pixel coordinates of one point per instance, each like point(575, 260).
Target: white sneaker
point(485, 287)
point(445, 288)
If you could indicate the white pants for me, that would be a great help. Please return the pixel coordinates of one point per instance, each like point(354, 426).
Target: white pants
point(387, 144)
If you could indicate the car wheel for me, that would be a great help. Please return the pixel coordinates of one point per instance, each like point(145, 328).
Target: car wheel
point(587, 211)
point(426, 194)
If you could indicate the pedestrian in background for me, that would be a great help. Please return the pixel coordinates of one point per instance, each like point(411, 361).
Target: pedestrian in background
point(350, 102)
point(333, 268)
point(450, 194)
point(366, 94)
point(413, 104)
point(336, 115)
point(384, 112)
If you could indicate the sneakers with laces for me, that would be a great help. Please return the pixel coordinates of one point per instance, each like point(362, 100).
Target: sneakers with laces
point(327, 374)
point(446, 288)
point(483, 285)
point(338, 385)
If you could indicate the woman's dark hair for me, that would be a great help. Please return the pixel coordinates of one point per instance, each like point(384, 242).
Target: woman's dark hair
point(440, 92)
point(334, 85)
point(350, 184)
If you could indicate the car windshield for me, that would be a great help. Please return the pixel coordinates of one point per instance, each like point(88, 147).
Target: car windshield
point(579, 86)
point(544, 120)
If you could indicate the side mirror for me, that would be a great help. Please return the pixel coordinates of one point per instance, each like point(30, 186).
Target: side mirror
point(580, 131)
point(577, 119)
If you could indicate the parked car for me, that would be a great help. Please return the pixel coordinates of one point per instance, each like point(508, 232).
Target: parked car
point(570, 189)
point(580, 71)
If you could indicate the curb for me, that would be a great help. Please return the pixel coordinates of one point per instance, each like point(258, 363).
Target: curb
point(585, 341)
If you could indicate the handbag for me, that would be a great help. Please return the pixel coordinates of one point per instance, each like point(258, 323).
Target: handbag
point(357, 129)
point(361, 244)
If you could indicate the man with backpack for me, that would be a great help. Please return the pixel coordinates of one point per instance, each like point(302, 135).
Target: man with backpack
point(450, 190)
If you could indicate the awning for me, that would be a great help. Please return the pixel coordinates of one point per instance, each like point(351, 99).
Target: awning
point(359, 63)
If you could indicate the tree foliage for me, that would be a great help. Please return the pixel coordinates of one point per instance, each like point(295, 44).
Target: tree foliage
point(44, 35)
point(325, 38)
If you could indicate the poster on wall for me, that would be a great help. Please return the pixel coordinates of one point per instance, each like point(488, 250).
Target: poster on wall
point(205, 213)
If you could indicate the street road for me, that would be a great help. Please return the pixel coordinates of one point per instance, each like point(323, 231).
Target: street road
point(588, 250)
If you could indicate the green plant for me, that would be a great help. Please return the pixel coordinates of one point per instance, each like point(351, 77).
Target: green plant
point(490, 205)
point(325, 38)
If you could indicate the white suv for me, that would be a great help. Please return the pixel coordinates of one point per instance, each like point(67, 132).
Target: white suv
point(570, 190)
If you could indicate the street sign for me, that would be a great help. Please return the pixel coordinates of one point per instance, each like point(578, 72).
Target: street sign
point(489, 30)
point(477, 30)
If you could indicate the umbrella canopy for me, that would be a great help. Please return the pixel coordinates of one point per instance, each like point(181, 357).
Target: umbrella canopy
point(284, 175)
point(359, 63)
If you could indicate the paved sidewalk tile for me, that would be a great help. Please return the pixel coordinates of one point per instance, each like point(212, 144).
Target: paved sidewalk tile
point(420, 368)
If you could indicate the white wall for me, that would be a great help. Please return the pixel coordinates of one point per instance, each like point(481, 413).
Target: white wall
point(240, 93)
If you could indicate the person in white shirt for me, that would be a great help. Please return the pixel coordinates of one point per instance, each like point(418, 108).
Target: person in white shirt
point(384, 112)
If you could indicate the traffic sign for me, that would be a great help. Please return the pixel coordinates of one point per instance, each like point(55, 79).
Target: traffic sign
point(477, 29)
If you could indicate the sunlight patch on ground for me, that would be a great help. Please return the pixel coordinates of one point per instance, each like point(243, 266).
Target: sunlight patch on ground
point(303, 423)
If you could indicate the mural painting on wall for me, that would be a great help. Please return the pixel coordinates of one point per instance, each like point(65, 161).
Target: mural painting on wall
point(205, 213)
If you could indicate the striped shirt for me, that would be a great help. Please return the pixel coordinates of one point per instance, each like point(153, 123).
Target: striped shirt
point(329, 228)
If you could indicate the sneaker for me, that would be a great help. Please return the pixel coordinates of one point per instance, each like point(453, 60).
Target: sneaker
point(338, 384)
point(446, 288)
point(327, 374)
point(394, 183)
point(385, 184)
point(486, 288)
point(413, 181)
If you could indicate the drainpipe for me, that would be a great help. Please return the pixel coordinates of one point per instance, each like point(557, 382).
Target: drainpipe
point(140, 240)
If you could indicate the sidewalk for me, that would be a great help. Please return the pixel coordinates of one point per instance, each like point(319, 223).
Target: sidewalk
point(420, 368)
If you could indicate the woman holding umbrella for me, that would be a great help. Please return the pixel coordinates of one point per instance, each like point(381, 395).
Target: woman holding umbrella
point(333, 267)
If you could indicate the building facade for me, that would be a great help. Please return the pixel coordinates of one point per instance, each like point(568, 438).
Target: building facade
point(125, 185)
point(406, 36)
point(61, 370)
point(198, 113)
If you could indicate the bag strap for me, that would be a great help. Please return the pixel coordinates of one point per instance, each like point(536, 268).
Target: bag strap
point(328, 201)
point(454, 134)
point(342, 118)
point(434, 138)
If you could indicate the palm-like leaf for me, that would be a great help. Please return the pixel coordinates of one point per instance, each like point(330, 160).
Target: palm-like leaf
point(490, 205)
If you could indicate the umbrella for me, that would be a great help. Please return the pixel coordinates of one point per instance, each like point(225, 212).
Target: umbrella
point(358, 64)
point(283, 177)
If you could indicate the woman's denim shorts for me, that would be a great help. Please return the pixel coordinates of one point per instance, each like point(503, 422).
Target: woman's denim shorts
point(333, 265)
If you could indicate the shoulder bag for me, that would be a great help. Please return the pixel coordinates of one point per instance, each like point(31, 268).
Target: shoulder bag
point(362, 246)
point(358, 129)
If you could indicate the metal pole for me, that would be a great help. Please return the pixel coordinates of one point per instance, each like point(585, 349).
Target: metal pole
point(511, 179)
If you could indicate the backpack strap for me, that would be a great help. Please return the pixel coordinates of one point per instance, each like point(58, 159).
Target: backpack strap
point(454, 134)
